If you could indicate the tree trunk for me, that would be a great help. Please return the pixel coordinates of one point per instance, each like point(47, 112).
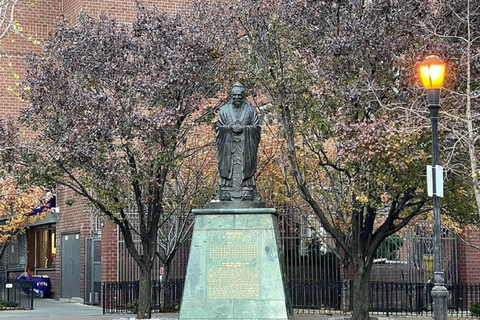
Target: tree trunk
point(345, 288)
point(3, 246)
point(163, 284)
point(145, 296)
point(361, 290)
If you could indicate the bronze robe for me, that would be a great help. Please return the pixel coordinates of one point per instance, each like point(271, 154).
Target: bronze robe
point(233, 147)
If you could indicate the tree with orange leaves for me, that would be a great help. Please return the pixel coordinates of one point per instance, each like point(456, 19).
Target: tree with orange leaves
point(16, 207)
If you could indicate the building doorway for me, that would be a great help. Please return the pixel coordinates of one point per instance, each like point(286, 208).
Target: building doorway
point(70, 265)
point(93, 271)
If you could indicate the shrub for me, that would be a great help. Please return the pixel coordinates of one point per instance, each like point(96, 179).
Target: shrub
point(8, 304)
point(475, 309)
point(132, 306)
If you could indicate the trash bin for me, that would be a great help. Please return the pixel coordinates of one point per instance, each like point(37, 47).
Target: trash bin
point(41, 285)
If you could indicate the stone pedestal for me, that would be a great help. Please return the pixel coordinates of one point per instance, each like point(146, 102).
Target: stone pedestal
point(234, 269)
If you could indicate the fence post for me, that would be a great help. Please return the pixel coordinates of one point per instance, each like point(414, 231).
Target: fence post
point(103, 297)
point(388, 300)
point(31, 297)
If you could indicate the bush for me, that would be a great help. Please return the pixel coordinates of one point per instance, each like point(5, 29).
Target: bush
point(132, 306)
point(8, 304)
point(475, 309)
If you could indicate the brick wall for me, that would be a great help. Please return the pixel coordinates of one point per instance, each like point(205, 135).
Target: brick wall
point(122, 10)
point(39, 20)
point(469, 258)
point(36, 22)
point(109, 251)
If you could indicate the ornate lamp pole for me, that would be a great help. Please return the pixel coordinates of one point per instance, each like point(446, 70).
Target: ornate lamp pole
point(432, 71)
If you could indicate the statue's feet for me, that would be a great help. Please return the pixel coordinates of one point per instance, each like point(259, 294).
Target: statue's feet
point(248, 193)
point(225, 196)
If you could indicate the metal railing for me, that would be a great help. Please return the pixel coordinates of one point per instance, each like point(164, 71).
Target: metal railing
point(385, 297)
point(19, 291)
point(415, 298)
point(121, 297)
point(317, 295)
point(311, 297)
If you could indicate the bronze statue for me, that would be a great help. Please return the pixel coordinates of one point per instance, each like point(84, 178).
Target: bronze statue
point(238, 135)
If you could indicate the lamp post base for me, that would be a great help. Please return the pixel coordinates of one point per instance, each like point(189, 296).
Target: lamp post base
point(439, 294)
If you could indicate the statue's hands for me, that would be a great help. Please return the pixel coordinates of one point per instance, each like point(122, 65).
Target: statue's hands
point(236, 128)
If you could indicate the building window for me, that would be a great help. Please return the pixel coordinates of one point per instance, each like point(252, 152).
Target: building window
point(46, 250)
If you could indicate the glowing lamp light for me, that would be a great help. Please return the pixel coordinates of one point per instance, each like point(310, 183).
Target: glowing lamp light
point(432, 72)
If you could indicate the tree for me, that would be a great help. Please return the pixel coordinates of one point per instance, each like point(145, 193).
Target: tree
point(192, 185)
point(17, 204)
point(109, 106)
point(339, 79)
point(454, 30)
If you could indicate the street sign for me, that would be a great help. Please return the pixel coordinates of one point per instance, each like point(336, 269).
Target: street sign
point(436, 172)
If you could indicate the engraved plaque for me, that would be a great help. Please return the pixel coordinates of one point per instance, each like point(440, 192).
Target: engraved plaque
point(233, 268)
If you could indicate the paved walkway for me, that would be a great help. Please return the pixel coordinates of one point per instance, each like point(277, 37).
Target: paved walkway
point(55, 310)
point(49, 309)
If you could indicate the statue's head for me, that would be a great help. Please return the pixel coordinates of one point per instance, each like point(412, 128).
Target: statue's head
point(238, 94)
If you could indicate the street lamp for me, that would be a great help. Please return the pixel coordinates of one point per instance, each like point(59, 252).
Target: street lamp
point(432, 72)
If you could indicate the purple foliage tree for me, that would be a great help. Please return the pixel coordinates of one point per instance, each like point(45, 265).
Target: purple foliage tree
point(109, 105)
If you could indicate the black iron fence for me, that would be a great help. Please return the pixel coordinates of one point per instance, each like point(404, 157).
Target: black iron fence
point(315, 294)
point(311, 297)
point(19, 292)
point(385, 297)
point(122, 297)
point(399, 297)
point(416, 298)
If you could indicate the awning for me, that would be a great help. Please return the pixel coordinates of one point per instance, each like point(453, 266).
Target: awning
point(49, 218)
point(48, 205)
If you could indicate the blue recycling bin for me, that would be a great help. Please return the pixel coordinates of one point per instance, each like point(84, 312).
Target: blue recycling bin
point(41, 285)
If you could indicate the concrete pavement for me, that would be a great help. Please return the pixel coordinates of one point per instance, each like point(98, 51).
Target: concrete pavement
point(49, 309)
point(55, 310)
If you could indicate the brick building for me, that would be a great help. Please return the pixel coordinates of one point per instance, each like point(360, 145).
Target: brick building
point(90, 244)
point(469, 258)
point(74, 247)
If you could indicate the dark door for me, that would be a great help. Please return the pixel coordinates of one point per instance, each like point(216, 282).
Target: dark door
point(70, 265)
point(93, 269)
point(31, 250)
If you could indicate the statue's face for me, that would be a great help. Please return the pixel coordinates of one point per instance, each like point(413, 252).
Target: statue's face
point(238, 94)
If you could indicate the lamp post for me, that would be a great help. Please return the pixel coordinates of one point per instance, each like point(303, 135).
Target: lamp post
point(432, 71)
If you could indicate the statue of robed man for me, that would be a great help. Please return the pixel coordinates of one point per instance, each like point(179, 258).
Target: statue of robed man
point(238, 134)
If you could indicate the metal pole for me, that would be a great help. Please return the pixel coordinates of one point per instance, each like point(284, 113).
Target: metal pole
point(439, 292)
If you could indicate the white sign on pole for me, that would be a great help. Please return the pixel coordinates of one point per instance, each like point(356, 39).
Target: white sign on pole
point(438, 181)
point(430, 181)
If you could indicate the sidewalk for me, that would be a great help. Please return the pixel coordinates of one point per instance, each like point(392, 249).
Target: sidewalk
point(54, 310)
point(49, 309)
